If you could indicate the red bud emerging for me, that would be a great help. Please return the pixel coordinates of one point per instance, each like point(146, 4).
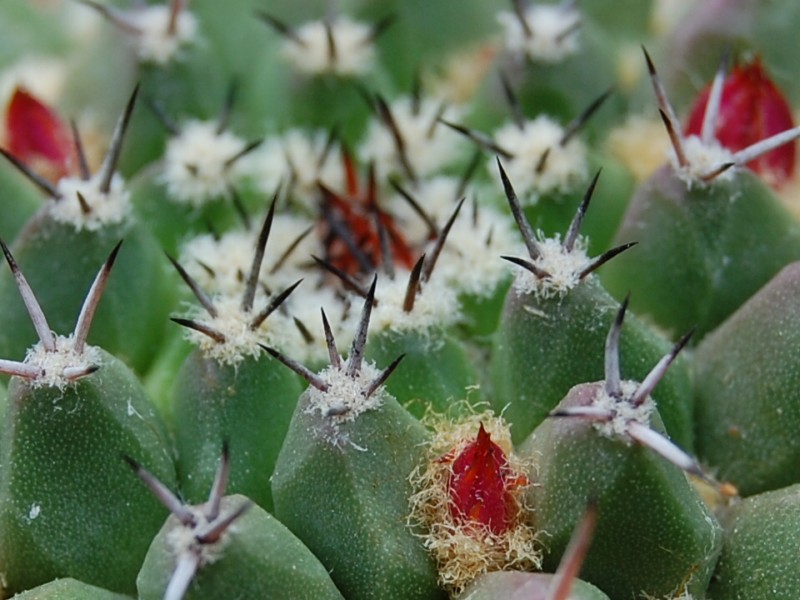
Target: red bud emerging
point(752, 108)
point(37, 136)
point(356, 216)
point(481, 486)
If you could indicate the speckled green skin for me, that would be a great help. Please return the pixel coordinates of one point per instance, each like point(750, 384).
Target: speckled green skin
point(350, 506)
point(748, 390)
point(514, 585)
point(60, 265)
point(69, 589)
point(654, 534)
point(702, 252)
point(260, 559)
point(760, 554)
point(250, 405)
point(69, 504)
point(544, 347)
point(436, 372)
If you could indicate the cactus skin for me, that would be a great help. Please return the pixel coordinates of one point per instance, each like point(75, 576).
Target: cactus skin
point(250, 404)
point(435, 371)
point(747, 385)
point(514, 585)
point(702, 252)
point(349, 506)
point(530, 376)
point(60, 451)
point(759, 556)
point(654, 534)
point(69, 589)
point(261, 559)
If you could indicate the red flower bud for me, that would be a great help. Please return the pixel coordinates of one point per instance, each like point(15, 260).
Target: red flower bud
point(752, 108)
point(481, 486)
point(352, 231)
point(37, 136)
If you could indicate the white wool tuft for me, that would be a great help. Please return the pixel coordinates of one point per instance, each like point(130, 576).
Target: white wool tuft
point(355, 52)
point(622, 412)
point(554, 35)
point(53, 364)
point(105, 208)
point(154, 43)
point(703, 159)
point(195, 170)
point(435, 306)
point(564, 268)
point(565, 167)
point(343, 401)
point(294, 158)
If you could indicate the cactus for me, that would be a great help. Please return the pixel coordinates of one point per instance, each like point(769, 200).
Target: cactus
point(471, 197)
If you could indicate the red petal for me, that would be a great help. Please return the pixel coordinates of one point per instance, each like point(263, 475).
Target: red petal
point(481, 484)
point(752, 109)
point(35, 134)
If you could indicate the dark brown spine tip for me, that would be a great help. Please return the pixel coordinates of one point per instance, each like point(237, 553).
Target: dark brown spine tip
point(580, 214)
point(525, 229)
point(538, 272)
point(412, 289)
point(385, 374)
point(427, 271)
point(356, 356)
point(212, 333)
point(273, 305)
point(258, 257)
point(115, 148)
point(301, 370)
point(333, 352)
point(39, 181)
point(203, 298)
point(279, 27)
point(604, 258)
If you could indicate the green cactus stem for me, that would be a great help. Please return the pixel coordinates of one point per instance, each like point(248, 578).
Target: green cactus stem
point(226, 546)
point(654, 534)
point(72, 410)
point(340, 483)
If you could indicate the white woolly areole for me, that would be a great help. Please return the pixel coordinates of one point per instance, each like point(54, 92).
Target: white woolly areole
point(435, 306)
point(564, 268)
point(344, 399)
point(467, 262)
point(182, 539)
point(241, 341)
point(565, 167)
point(104, 208)
point(470, 260)
point(622, 411)
point(355, 52)
point(52, 364)
point(154, 42)
point(229, 257)
point(293, 158)
point(703, 159)
point(429, 145)
point(553, 37)
point(196, 168)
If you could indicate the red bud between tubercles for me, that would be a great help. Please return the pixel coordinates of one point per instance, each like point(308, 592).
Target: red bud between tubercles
point(752, 108)
point(481, 484)
point(36, 135)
